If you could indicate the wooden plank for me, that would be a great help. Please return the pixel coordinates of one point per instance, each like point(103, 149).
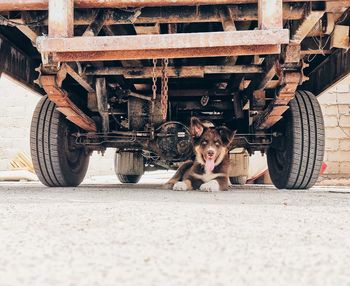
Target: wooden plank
point(61, 18)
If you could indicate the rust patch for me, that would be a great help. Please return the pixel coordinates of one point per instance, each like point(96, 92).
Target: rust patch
point(159, 54)
point(65, 105)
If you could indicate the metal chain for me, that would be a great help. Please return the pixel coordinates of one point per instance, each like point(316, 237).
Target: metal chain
point(165, 88)
point(154, 89)
point(154, 78)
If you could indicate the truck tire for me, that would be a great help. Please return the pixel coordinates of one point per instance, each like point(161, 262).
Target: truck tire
point(296, 158)
point(55, 162)
point(240, 180)
point(129, 179)
point(129, 166)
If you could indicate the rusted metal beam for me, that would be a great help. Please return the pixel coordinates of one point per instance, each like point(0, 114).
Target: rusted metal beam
point(315, 52)
point(306, 26)
point(15, 5)
point(165, 41)
point(337, 6)
point(270, 73)
point(65, 105)
point(61, 18)
point(340, 37)
point(174, 72)
point(102, 102)
point(140, 96)
point(270, 14)
point(198, 92)
point(227, 19)
point(96, 24)
point(261, 81)
point(18, 65)
point(228, 24)
point(134, 63)
point(27, 31)
point(163, 15)
point(289, 79)
point(164, 46)
point(279, 105)
point(77, 78)
point(332, 70)
point(165, 53)
point(147, 29)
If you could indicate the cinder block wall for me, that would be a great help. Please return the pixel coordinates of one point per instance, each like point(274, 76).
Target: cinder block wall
point(336, 110)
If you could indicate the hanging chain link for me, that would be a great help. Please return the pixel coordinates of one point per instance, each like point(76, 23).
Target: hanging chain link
point(154, 79)
point(165, 88)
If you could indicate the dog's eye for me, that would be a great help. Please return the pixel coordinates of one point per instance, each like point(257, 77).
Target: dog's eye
point(204, 142)
point(217, 143)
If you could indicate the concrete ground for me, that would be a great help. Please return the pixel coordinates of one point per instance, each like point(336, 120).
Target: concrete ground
point(143, 235)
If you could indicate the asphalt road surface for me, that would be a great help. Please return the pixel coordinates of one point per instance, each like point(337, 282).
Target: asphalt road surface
point(143, 235)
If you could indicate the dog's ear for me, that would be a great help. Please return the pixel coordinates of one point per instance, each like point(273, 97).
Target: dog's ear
point(197, 127)
point(226, 134)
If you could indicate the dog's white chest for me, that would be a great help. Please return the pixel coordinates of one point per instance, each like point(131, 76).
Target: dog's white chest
point(207, 177)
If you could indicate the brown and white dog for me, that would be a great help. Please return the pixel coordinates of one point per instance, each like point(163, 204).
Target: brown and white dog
point(209, 171)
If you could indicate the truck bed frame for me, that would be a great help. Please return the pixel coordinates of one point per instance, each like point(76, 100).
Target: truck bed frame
point(126, 72)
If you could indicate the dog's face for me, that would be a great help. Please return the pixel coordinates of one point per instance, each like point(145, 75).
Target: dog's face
point(210, 144)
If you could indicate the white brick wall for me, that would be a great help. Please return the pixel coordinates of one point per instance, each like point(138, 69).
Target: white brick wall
point(17, 105)
point(336, 110)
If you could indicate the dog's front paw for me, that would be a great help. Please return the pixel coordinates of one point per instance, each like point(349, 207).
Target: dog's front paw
point(180, 186)
point(211, 186)
point(168, 186)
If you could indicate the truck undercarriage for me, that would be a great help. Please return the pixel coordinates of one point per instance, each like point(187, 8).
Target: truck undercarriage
point(130, 74)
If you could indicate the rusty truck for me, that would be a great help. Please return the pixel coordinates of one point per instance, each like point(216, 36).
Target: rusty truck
point(129, 74)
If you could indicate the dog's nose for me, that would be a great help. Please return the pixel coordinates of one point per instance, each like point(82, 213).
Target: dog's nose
point(210, 153)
